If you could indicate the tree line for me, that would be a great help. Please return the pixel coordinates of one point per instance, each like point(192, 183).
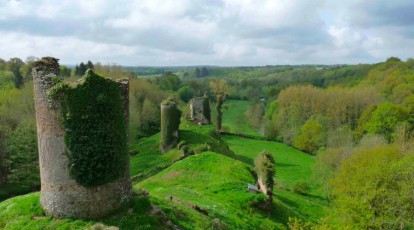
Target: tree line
point(362, 137)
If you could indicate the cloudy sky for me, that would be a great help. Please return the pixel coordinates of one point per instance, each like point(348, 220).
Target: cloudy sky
point(210, 32)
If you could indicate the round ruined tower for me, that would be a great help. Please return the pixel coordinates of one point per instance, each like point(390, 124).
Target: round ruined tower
point(62, 195)
point(170, 122)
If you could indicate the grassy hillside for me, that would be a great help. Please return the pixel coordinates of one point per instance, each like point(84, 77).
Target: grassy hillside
point(147, 160)
point(25, 213)
point(214, 183)
point(292, 165)
point(203, 191)
point(234, 120)
point(293, 171)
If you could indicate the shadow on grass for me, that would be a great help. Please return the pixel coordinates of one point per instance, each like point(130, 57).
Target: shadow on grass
point(287, 201)
point(9, 190)
point(286, 165)
point(246, 160)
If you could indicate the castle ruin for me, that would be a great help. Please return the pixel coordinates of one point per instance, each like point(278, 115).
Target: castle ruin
point(200, 110)
point(170, 122)
point(75, 181)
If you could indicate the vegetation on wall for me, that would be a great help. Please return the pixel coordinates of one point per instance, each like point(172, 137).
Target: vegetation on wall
point(265, 168)
point(95, 131)
point(170, 122)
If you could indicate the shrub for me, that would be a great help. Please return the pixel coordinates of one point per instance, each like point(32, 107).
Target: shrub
point(301, 187)
point(181, 144)
point(201, 148)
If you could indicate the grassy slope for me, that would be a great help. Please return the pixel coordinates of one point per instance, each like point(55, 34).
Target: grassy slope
point(24, 212)
point(215, 183)
point(149, 161)
point(234, 120)
point(292, 166)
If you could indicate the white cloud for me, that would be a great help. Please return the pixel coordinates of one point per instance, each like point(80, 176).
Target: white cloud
point(215, 32)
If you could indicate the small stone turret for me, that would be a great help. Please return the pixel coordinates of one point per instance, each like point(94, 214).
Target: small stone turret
point(265, 168)
point(65, 191)
point(200, 110)
point(170, 122)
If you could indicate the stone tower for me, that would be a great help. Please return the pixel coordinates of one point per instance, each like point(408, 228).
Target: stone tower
point(61, 195)
point(170, 122)
point(200, 110)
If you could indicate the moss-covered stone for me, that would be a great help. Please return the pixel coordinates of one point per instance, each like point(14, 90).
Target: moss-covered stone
point(265, 168)
point(170, 122)
point(95, 129)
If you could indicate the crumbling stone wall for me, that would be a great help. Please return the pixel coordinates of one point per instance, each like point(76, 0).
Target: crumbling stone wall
point(265, 168)
point(170, 122)
point(62, 195)
point(200, 110)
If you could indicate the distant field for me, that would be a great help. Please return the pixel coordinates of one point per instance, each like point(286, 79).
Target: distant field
point(234, 119)
point(291, 164)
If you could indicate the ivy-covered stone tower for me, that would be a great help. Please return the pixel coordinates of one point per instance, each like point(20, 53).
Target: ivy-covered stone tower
point(82, 141)
point(170, 122)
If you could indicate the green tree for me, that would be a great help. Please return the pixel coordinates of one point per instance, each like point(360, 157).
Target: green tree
point(185, 93)
point(197, 72)
point(23, 161)
point(204, 72)
point(311, 136)
point(149, 119)
point(65, 71)
point(81, 69)
point(26, 69)
point(384, 120)
point(89, 65)
point(254, 115)
point(2, 64)
point(14, 65)
point(220, 89)
point(373, 190)
point(169, 81)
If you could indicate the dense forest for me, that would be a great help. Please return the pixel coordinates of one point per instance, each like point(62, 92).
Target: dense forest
point(356, 121)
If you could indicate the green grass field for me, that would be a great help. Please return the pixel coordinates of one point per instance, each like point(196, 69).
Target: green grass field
point(148, 160)
point(25, 213)
point(234, 120)
point(292, 165)
point(212, 182)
